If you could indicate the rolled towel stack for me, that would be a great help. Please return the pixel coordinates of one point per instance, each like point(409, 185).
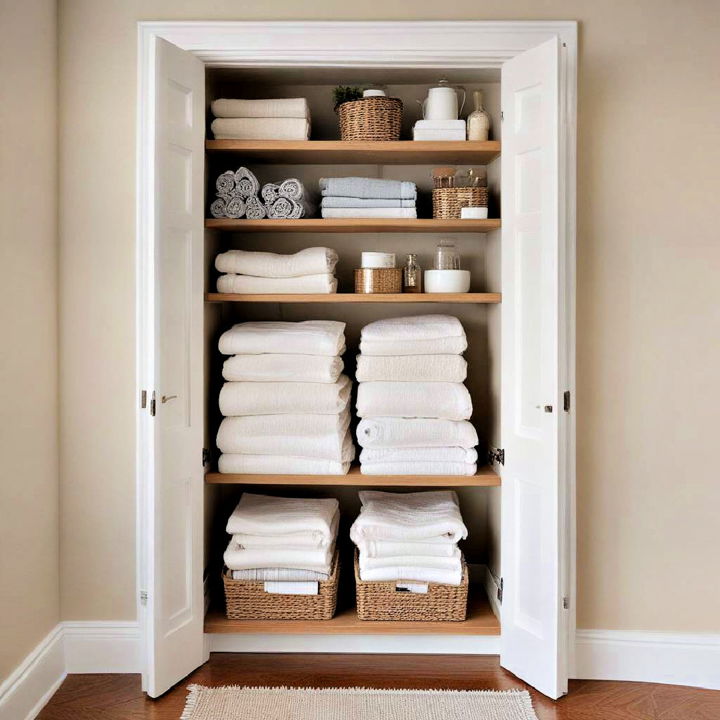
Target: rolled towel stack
point(285, 200)
point(237, 196)
point(288, 543)
point(409, 536)
point(359, 197)
point(285, 401)
point(412, 400)
point(308, 271)
point(273, 119)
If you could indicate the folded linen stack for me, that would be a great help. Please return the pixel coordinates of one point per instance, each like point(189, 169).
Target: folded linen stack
point(308, 271)
point(439, 130)
point(237, 195)
point(274, 119)
point(288, 543)
point(412, 400)
point(359, 197)
point(409, 536)
point(285, 403)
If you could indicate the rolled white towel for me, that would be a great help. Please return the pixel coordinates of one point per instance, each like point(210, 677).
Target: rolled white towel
point(254, 209)
point(273, 398)
point(310, 261)
point(413, 574)
point(238, 558)
point(218, 208)
point(246, 183)
point(451, 562)
point(260, 128)
point(418, 468)
point(404, 368)
point(279, 465)
point(292, 188)
point(307, 425)
point(390, 432)
point(305, 284)
point(419, 454)
point(310, 337)
point(450, 401)
point(225, 183)
point(235, 207)
point(441, 547)
point(270, 108)
point(286, 368)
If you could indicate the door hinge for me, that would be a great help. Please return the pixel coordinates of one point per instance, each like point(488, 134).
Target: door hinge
point(502, 116)
point(500, 591)
point(566, 603)
point(496, 455)
point(143, 597)
point(205, 456)
point(152, 404)
point(566, 401)
point(143, 399)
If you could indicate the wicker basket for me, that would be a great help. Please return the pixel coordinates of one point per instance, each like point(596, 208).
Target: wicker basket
point(447, 202)
point(247, 600)
point(381, 601)
point(370, 281)
point(371, 118)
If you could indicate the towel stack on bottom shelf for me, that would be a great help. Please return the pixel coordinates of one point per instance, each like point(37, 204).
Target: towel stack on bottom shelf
point(359, 197)
point(285, 402)
point(412, 400)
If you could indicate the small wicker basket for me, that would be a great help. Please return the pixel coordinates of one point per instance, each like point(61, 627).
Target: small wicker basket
point(447, 202)
point(382, 601)
point(370, 281)
point(372, 118)
point(247, 600)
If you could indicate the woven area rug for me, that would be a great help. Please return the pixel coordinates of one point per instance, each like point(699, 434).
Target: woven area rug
point(265, 703)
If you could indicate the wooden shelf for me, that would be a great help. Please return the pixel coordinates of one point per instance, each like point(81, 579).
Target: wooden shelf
point(454, 298)
point(353, 225)
point(402, 152)
point(485, 477)
point(480, 621)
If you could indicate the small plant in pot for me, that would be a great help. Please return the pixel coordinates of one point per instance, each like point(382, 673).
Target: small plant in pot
point(376, 118)
point(346, 93)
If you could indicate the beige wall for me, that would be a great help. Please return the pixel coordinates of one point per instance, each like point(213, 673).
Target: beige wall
point(29, 590)
point(648, 310)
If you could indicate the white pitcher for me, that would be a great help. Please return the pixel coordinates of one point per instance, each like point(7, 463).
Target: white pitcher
point(442, 102)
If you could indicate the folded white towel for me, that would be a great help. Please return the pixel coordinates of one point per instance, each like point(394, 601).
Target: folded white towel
point(278, 575)
point(436, 346)
point(404, 368)
point(310, 261)
point(287, 368)
point(271, 108)
point(305, 539)
point(417, 327)
point(278, 398)
point(279, 465)
point(368, 212)
point(450, 401)
point(351, 202)
point(408, 516)
point(420, 134)
point(441, 547)
point(388, 432)
point(413, 574)
point(419, 454)
point(280, 128)
point(440, 125)
point(308, 424)
point(291, 588)
point(305, 284)
point(311, 337)
point(451, 562)
point(418, 468)
point(270, 516)
point(237, 558)
point(363, 187)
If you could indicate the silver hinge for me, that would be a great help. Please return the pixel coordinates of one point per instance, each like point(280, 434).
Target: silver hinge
point(502, 116)
point(566, 603)
point(496, 455)
point(152, 404)
point(143, 597)
point(143, 399)
point(205, 456)
point(566, 401)
point(500, 591)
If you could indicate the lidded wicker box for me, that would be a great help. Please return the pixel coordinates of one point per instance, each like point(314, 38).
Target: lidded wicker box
point(447, 202)
point(376, 118)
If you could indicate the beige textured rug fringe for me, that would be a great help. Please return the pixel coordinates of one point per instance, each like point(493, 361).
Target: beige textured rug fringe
point(235, 702)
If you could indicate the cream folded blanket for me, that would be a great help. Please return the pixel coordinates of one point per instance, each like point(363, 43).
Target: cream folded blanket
point(413, 574)
point(291, 588)
point(308, 284)
point(279, 465)
point(441, 547)
point(237, 558)
point(308, 424)
point(404, 368)
point(260, 128)
point(418, 468)
point(271, 108)
point(286, 368)
point(388, 432)
point(450, 401)
point(451, 562)
point(277, 398)
point(369, 212)
point(418, 335)
point(311, 337)
point(299, 540)
point(279, 575)
point(419, 454)
point(310, 261)
point(364, 187)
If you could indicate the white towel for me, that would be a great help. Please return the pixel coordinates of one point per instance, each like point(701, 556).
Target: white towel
point(419, 454)
point(271, 108)
point(441, 547)
point(291, 588)
point(408, 516)
point(305, 284)
point(309, 539)
point(260, 128)
point(404, 368)
point(363, 187)
point(279, 575)
point(269, 515)
point(450, 401)
point(236, 558)
point(388, 432)
point(418, 468)
point(308, 424)
point(451, 562)
point(417, 327)
point(421, 134)
point(368, 212)
point(279, 465)
point(413, 574)
point(351, 202)
point(311, 337)
point(278, 398)
point(288, 368)
point(310, 261)
point(438, 346)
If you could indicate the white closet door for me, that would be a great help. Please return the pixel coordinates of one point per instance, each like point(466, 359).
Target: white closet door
point(531, 526)
point(175, 561)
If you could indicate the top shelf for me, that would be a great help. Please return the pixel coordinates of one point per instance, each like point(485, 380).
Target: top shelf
point(321, 152)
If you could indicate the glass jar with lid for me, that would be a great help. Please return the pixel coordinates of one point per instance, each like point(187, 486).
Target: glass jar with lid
point(447, 256)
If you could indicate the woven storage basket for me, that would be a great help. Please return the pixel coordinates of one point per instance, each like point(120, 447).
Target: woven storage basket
point(370, 281)
point(381, 601)
point(370, 118)
point(247, 600)
point(447, 202)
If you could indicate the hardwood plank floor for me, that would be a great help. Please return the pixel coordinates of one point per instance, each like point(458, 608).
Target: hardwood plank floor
point(118, 697)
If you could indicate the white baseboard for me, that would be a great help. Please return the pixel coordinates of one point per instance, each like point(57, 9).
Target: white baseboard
point(671, 658)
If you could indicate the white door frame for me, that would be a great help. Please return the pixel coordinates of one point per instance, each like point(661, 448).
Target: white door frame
point(464, 44)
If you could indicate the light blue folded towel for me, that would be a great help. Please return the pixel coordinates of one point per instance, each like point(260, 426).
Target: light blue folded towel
point(352, 202)
point(360, 187)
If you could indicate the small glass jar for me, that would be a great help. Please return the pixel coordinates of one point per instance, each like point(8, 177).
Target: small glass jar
point(412, 275)
point(446, 256)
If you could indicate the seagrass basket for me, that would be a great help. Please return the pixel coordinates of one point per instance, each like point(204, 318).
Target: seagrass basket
point(371, 118)
point(369, 281)
point(247, 599)
point(382, 600)
point(447, 202)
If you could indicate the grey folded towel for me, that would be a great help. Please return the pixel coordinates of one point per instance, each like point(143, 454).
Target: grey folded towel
point(351, 202)
point(360, 187)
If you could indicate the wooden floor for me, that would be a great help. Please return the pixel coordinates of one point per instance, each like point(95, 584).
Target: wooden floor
point(118, 697)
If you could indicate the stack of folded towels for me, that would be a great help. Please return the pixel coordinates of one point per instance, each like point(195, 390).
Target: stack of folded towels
point(358, 197)
point(285, 403)
point(288, 543)
point(412, 400)
point(308, 271)
point(409, 536)
point(274, 119)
